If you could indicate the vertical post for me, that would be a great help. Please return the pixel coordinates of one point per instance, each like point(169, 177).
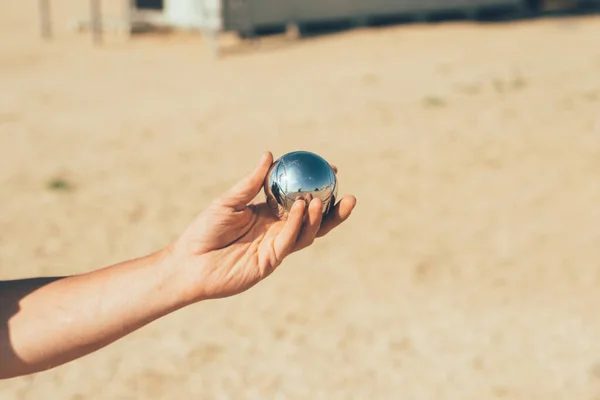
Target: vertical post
point(96, 21)
point(211, 35)
point(45, 24)
point(292, 31)
point(128, 16)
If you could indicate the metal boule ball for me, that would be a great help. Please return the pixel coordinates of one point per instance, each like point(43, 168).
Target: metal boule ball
point(300, 175)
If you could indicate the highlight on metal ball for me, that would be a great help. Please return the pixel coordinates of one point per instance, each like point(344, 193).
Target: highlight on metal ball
point(300, 175)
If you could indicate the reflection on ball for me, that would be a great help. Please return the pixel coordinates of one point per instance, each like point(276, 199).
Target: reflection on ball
point(300, 175)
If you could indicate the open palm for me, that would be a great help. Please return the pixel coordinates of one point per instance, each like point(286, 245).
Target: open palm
point(234, 243)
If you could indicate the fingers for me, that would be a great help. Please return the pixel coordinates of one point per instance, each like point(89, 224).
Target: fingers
point(286, 239)
point(303, 229)
point(245, 190)
point(337, 215)
point(311, 224)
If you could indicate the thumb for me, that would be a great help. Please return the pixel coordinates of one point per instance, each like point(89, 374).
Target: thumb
point(240, 194)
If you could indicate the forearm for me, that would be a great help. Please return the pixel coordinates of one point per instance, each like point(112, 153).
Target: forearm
point(48, 322)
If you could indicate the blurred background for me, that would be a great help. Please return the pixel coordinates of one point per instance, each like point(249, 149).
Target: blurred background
point(468, 130)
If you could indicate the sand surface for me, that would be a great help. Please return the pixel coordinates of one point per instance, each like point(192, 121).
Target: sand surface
point(470, 269)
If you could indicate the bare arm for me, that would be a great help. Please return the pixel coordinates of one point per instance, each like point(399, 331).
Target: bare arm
point(46, 322)
point(227, 249)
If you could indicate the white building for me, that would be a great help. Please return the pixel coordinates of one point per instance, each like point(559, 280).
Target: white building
point(185, 14)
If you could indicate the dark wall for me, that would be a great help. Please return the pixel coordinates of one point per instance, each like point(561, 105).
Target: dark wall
point(149, 4)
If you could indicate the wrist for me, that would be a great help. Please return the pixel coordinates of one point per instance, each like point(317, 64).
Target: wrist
point(177, 279)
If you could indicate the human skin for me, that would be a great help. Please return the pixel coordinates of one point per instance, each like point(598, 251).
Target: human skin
point(231, 246)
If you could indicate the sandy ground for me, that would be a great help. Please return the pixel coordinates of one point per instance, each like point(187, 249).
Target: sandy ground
point(470, 269)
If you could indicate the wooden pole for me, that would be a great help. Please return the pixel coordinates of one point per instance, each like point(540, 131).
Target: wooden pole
point(128, 16)
point(45, 20)
point(212, 39)
point(96, 21)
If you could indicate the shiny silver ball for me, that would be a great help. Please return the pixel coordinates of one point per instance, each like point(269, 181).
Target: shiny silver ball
point(300, 175)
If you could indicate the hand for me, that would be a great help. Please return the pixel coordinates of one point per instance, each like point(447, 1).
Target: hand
point(234, 244)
